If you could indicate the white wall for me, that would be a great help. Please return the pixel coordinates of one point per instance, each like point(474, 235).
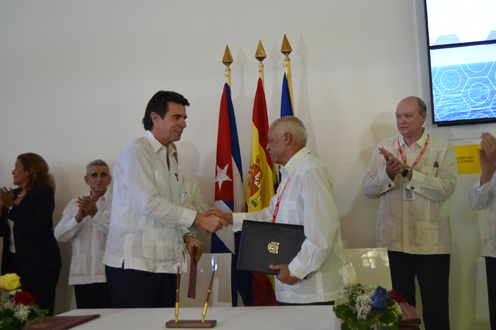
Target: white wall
point(75, 77)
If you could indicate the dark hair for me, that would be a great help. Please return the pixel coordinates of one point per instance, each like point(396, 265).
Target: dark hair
point(159, 104)
point(96, 162)
point(39, 166)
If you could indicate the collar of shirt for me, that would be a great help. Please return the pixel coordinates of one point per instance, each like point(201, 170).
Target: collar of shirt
point(292, 164)
point(156, 145)
point(420, 142)
point(105, 196)
point(172, 152)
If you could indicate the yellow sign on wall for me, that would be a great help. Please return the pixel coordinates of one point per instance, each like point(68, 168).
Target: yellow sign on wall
point(468, 159)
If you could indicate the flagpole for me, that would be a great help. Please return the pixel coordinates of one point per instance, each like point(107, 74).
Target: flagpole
point(286, 50)
point(227, 60)
point(260, 55)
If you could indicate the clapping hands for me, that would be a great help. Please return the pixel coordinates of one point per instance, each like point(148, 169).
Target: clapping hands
point(393, 165)
point(6, 197)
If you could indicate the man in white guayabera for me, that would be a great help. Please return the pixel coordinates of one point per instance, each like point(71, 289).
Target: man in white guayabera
point(414, 174)
point(85, 221)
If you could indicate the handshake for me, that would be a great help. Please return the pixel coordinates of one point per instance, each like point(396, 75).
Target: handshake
point(213, 220)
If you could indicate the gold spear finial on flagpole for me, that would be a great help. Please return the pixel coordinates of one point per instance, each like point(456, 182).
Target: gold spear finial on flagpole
point(260, 55)
point(286, 50)
point(227, 60)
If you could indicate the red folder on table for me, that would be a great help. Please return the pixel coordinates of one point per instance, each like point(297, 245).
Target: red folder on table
point(61, 322)
point(411, 320)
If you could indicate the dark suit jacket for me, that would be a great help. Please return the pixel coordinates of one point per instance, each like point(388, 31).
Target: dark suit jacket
point(37, 250)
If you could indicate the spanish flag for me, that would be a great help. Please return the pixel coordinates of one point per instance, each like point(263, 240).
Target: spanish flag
point(262, 185)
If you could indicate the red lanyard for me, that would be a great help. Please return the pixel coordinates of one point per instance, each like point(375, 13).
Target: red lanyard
point(418, 158)
point(276, 210)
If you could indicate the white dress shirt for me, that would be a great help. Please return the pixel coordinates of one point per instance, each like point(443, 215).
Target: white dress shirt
point(480, 198)
point(192, 196)
point(419, 226)
point(307, 200)
point(148, 223)
point(89, 239)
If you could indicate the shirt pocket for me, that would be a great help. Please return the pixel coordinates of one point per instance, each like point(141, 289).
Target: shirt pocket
point(289, 213)
point(159, 245)
point(430, 170)
point(427, 233)
point(187, 199)
point(78, 265)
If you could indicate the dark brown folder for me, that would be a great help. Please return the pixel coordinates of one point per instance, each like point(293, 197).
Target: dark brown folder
point(266, 243)
point(61, 322)
point(193, 270)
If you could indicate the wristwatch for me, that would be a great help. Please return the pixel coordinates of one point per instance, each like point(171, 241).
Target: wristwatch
point(405, 172)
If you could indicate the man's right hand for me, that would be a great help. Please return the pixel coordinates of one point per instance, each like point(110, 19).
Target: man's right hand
point(217, 212)
point(210, 223)
point(80, 215)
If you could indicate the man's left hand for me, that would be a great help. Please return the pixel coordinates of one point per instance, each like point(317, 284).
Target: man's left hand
point(488, 143)
point(283, 275)
point(190, 242)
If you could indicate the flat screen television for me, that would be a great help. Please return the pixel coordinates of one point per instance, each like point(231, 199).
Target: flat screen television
point(461, 37)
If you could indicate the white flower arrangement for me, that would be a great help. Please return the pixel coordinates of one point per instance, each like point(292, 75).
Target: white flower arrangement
point(368, 307)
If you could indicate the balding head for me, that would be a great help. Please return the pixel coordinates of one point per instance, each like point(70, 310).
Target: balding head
point(294, 126)
point(410, 116)
point(287, 136)
point(418, 101)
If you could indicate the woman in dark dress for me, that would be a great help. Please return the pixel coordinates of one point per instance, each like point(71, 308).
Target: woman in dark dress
point(29, 247)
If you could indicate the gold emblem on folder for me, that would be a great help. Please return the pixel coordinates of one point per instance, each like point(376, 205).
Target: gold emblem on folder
point(273, 247)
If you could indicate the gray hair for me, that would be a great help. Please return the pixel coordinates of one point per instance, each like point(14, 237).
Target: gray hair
point(96, 162)
point(294, 126)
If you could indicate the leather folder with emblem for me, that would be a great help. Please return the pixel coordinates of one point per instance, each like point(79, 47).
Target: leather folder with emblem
point(266, 243)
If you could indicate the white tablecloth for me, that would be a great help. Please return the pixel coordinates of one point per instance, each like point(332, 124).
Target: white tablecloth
point(252, 318)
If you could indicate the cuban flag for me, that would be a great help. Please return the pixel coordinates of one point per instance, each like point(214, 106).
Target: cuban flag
point(229, 195)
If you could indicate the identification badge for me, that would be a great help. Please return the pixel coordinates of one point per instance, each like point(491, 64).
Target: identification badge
point(408, 195)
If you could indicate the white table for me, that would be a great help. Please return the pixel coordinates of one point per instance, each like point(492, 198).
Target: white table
point(252, 318)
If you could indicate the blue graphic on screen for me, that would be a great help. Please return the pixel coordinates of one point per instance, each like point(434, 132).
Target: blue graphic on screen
point(464, 83)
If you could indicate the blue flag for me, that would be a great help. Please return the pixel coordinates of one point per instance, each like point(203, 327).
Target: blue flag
point(286, 106)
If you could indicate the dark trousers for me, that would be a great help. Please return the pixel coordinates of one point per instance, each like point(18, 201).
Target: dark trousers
point(491, 289)
point(432, 272)
point(41, 285)
point(94, 295)
point(131, 288)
